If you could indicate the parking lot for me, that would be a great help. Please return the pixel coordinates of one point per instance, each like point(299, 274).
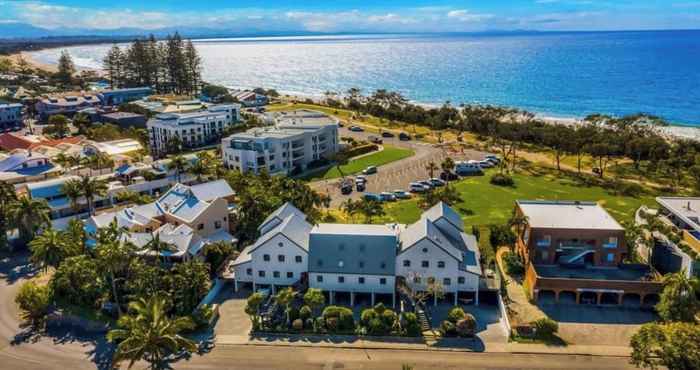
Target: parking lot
point(396, 175)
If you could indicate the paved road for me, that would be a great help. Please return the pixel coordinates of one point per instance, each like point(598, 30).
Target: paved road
point(394, 175)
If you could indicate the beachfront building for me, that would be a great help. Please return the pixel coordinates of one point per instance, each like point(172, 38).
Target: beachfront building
point(121, 96)
point(25, 166)
point(279, 257)
point(574, 252)
point(295, 140)
point(10, 116)
point(250, 99)
point(66, 104)
point(668, 256)
point(191, 130)
point(435, 249)
point(124, 119)
point(185, 218)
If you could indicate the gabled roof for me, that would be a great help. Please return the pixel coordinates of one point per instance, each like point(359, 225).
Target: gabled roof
point(14, 162)
point(294, 227)
point(212, 190)
point(282, 213)
point(442, 210)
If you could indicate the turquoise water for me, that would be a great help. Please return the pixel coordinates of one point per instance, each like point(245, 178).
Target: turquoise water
point(553, 74)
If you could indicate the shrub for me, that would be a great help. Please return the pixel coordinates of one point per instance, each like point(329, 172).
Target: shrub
point(34, 301)
point(514, 265)
point(448, 329)
point(202, 316)
point(338, 318)
point(411, 324)
point(466, 327)
point(545, 327)
point(455, 314)
point(477, 232)
point(305, 313)
point(630, 189)
point(77, 282)
point(500, 179)
point(500, 235)
point(378, 320)
point(298, 324)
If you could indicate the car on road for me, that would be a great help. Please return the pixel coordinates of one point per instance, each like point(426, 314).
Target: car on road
point(401, 194)
point(370, 170)
point(387, 134)
point(346, 188)
point(356, 129)
point(492, 158)
point(448, 176)
point(404, 136)
point(360, 186)
point(416, 187)
point(435, 182)
point(360, 178)
point(468, 169)
point(374, 139)
point(372, 196)
point(387, 196)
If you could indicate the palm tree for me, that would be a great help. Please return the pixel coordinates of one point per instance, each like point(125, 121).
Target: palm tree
point(113, 257)
point(179, 164)
point(199, 169)
point(679, 300)
point(49, 249)
point(149, 334)
point(73, 190)
point(29, 215)
point(284, 298)
point(431, 168)
point(520, 222)
point(448, 164)
point(351, 208)
point(61, 159)
point(370, 208)
point(92, 188)
point(157, 246)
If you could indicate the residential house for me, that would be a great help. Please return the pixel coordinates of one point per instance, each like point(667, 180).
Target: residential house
point(574, 252)
point(279, 257)
point(12, 140)
point(684, 214)
point(121, 96)
point(65, 104)
point(250, 99)
point(10, 116)
point(295, 141)
point(25, 166)
point(191, 130)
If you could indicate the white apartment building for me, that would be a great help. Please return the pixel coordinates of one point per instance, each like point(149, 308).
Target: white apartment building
point(294, 140)
point(193, 130)
point(10, 115)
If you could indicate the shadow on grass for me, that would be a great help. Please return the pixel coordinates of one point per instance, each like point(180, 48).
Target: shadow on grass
point(550, 340)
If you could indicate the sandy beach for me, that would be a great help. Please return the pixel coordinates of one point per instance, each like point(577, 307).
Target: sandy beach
point(33, 62)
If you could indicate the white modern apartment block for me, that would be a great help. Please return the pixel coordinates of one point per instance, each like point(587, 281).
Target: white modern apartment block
point(295, 139)
point(280, 255)
point(193, 130)
point(363, 261)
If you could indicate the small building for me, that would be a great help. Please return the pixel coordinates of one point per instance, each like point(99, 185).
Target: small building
point(27, 166)
point(121, 96)
point(124, 119)
point(12, 140)
point(684, 214)
point(66, 104)
point(250, 99)
point(574, 251)
point(10, 116)
point(111, 148)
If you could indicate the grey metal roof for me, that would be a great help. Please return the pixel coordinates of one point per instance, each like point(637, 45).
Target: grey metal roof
point(567, 215)
point(212, 190)
point(294, 228)
point(353, 249)
point(282, 213)
point(442, 210)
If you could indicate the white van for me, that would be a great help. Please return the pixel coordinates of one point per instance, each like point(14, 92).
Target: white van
point(468, 169)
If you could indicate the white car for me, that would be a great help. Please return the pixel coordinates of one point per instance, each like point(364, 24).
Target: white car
point(486, 164)
point(416, 187)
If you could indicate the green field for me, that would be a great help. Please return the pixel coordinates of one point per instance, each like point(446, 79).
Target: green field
point(388, 155)
point(485, 204)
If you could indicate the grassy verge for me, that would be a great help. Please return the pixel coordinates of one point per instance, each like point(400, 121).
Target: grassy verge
point(388, 155)
point(551, 340)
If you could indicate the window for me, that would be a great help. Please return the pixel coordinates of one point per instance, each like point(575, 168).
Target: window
point(341, 247)
point(425, 250)
point(446, 281)
point(544, 255)
point(261, 273)
point(280, 244)
point(406, 263)
point(460, 280)
point(360, 280)
point(319, 278)
point(217, 224)
point(266, 257)
point(297, 259)
point(280, 258)
point(290, 274)
point(200, 227)
point(425, 264)
point(249, 271)
point(611, 242)
point(611, 257)
point(382, 281)
point(361, 264)
point(441, 264)
point(276, 274)
point(544, 241)
point(341, 263)
point(341, 279)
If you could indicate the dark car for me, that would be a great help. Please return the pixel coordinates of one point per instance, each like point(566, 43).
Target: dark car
point(387, 134)
point(404, 136)
point(360, 186)
point(356, 128)
point(375, 139)
point(448, 176)
point(346, 188)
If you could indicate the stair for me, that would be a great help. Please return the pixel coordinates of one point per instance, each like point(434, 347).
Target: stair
point(423, 319)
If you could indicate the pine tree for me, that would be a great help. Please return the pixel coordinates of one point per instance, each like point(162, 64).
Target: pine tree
point(66, 68)
point(113, 64)
point(194, 67)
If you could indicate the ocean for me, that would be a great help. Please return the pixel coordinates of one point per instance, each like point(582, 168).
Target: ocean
point(564, 75)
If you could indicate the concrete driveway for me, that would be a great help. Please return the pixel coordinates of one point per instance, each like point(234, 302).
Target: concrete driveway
point(395, 175)
point(233, 322)
point(488, 320)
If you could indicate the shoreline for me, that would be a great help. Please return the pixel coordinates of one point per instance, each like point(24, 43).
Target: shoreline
point(679, 131)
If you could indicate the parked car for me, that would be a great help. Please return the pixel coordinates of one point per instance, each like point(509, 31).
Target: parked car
point(375, 139)
point(387, 134)
point(435, 182)
point(360, 178)
point(340, 124)
point(448, 176)
point(360, 186)
point(372, 196)
point(370, 170)
point(346, 188)
point(356, 128)
point(404, 136)
point(427, 184)
point(468, 169)
point(486, 163)
point(416, 187)
point(492, 158)
point(401, 194)
point(387, 196)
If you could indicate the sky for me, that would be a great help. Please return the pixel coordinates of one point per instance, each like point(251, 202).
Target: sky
point(357, 16)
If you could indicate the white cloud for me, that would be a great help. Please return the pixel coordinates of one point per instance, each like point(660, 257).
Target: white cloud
point(467, 16)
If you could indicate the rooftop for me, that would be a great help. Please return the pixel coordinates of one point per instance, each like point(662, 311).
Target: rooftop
point(627, 273)
point(304, 117)
point(567, 215)
point(354, 229)
point(685, 208)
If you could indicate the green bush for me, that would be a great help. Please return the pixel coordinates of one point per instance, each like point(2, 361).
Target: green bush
point(477, 232)
point(34, 302)
point(293, 313)
point(448, 329)
point(514, 265)
point(305, 313)
point(202, 316)
point(466, 327)
point(338, 319)
point(500, 179)
point(500, 235)
point(360, 149)
point(378, 320)
point(411, 324)
point(545, 327)
point(77, 282)
point(455, 314)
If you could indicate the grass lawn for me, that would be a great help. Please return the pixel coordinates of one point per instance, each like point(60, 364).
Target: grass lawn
point(389, 154)
point(485, 204)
